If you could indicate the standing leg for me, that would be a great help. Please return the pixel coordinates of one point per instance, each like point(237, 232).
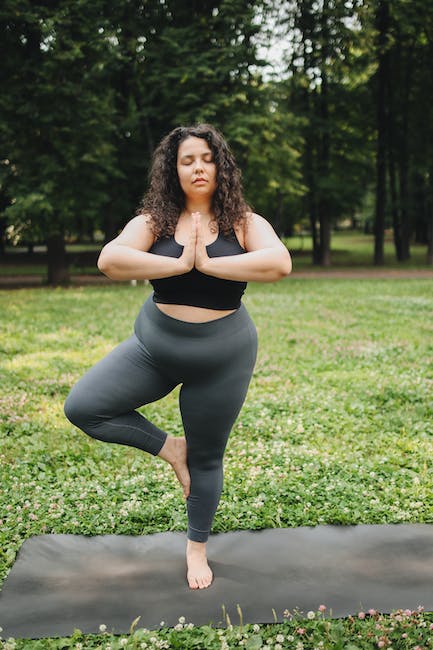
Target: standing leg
point(209, 409)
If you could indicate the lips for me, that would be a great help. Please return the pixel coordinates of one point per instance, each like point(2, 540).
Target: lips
point(199, 180)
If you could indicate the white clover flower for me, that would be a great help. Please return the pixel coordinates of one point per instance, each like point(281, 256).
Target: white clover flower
point(279, 638)
point(256, 628)
point(123, 642)
point(143, 646)
point(179, 626)
point(162, 623)
point(78, 646)
point(102, 628)
point(108, 647)
point(278, 646)
point(181, 619)
point(311, 615)
point(290, 637)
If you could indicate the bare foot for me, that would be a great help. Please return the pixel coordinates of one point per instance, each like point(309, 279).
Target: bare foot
point(199, 574)
point(174, 451)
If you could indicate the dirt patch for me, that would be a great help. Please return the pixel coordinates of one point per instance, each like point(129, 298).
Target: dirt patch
point(29, 281)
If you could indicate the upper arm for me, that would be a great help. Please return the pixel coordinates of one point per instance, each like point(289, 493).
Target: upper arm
point(136, 234)
point(260, 234)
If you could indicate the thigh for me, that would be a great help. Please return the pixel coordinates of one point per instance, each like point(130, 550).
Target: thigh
point(209, 409)
point(120, 382)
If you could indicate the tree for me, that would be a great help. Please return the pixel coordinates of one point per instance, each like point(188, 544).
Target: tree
point(106, 82)
point(382, 18)
point(402, 91)
point(56, 120)
point(326, 86)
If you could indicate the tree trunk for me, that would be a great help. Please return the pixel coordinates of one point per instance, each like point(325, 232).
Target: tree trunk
point(279, 227)
point(430, 222)
point(325, 148)
point(404, 157)
point(382, 19)
point(391, 153)
point(3, 223)
point(58, 266)
point(325, 239)
point(311, 199)
point(419, 204)
point(110, 225)
point(394, 206)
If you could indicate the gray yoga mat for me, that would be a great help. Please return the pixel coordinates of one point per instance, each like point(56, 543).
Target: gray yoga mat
point(62, 582)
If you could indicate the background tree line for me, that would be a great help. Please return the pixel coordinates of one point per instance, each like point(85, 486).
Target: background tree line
point(89, 88)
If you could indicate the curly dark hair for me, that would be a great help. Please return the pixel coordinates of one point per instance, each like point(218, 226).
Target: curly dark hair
point(165, 199)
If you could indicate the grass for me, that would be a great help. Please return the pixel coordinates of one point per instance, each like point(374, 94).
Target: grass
point(354, 249)
point(337, 429)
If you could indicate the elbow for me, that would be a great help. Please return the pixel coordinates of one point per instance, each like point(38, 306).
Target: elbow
point(104, 264)
point(285, 267)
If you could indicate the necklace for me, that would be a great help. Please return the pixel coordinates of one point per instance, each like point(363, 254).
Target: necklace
point(211, 217)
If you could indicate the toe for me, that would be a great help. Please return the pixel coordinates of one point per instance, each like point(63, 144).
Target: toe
point(193, 583)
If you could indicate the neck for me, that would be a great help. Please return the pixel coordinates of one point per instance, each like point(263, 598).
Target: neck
point(204, 207)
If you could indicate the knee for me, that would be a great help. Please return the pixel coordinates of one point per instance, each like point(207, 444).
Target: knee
point(75, 409)
point(205, 462)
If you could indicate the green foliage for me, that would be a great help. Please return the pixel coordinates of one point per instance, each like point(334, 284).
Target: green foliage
point(268, 145)
point(98, 85)
point(337, 428)
point(56, 115)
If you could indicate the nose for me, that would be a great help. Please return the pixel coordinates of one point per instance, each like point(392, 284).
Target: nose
point(198, 165)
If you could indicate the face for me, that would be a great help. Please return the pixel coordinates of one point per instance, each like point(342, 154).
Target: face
point(196, 168)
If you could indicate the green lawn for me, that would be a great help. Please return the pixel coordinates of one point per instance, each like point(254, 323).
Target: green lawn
point(337, 428)
point(349, 249)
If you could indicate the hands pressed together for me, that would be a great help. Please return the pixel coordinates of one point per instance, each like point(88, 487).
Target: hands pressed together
point(194, 252)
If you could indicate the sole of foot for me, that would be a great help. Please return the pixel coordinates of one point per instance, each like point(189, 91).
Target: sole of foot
point(175, 452)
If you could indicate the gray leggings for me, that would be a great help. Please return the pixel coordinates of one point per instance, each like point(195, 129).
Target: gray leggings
point(213, 361)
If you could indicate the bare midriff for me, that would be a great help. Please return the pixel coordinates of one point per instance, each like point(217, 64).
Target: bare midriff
point(193, 314)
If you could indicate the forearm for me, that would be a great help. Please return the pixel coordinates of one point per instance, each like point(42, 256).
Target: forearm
point(121, 262)
point(264, 265)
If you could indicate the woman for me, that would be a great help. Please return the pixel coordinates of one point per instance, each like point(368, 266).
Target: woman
point(197, 242)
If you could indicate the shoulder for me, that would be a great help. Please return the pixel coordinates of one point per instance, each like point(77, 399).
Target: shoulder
point(259, 233)
point(143, 219)
point(241, 229)
point(254, 222)
point(252, 219)
point(137, 233)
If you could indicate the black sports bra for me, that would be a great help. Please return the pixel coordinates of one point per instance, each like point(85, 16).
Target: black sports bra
point(195, 288)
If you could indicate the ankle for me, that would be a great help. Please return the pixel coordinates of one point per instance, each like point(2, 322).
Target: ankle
point(167, 450)
point(196, 546)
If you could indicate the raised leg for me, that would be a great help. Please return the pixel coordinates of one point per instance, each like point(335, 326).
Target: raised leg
point(103, 402)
